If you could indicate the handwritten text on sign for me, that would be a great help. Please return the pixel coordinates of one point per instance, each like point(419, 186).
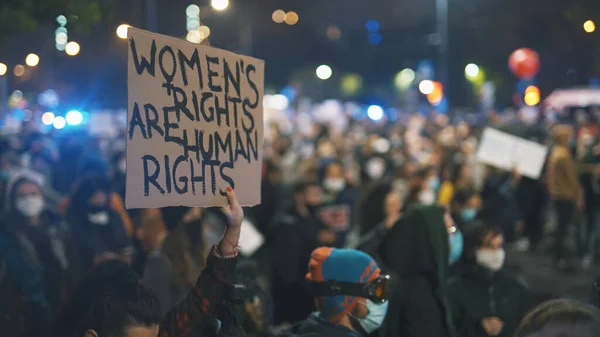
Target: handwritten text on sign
point(195, 123)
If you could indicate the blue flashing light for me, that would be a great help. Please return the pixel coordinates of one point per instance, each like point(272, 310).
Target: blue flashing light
point(372, 26)
point(375, 112)
point(375, 38)
point(74, 117)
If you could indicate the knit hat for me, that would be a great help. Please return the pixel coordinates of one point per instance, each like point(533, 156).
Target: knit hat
point(343, 265)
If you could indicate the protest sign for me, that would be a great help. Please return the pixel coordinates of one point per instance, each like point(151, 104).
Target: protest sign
point(195, 123)
point(505, 151)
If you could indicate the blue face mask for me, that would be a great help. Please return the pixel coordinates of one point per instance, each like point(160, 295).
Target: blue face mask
point(456, 246)
point(374, 319)
point(468, 214)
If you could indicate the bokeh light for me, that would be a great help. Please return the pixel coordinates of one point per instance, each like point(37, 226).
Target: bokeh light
point(532, 95)
point(74, 117)
point(61, 38)
point(372, 26)
point(219, 4)
point(436, 95)
point(59, 122)
point(324, 72)
point(589, 26)
point(375, 112)
point(351, 84)
point(19, 70)
point(276, 102)
point(61, 20)
point(3, 69)
point(426, 87)
point(404, 79)
point(278, 16)
point(61, 47)
point(334, 32)
point(471, 71)
point(204, 32)
point(48, 118)
point(122, 31)
point(72, 48)
point(192, 23)
point(194, 36)
point(291, 18)
point(192, 11)
point(32, 60)
point(375, 38)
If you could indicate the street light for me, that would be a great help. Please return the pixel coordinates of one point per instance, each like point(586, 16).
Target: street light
point(471, 71)
point(19, 70)
point(291, 18)
point(219, 4)
point(72, 48)
point(32, 60)
point(426, 87)
point(589, 26)
point(3, 69)
point(122, 31)
point(324, 72)
point(278, 16)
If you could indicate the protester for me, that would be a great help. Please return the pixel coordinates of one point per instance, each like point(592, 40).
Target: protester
point(486, 300)
point(97, 229)
point(459, 180)
point(561, 318)
point(419, 249)
point(499, 202)
point(295, 236)
point(112, 301)
point(343, 308)
point(564, 189)
point(34, 260)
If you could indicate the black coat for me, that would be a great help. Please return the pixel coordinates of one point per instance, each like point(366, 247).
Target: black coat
point(478, 294)
point(416, 249)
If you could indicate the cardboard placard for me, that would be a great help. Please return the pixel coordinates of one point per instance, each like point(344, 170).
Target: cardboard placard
point(194, 123)
point(505, 151)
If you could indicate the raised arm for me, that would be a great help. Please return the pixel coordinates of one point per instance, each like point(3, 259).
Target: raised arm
point(197, 309)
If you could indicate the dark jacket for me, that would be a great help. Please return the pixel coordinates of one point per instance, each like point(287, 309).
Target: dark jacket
point(417, 249)
point(314, 326)
point(479, 293)
point(294, 239)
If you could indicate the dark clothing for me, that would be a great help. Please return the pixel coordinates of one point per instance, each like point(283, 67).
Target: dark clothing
point(500, 207)
point(532, 198)
point(314, 326)
point(479, 294)
point(417, 250)
point(565, 213)
point(294, 239)
point(198, 309)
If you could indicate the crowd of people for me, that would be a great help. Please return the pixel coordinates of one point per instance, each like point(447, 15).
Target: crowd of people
point(369, 228)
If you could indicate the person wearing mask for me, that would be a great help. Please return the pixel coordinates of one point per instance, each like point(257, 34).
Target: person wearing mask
point(561, 318)
point(295, 234)
point(420, 248)
point(417, 182)
point(350, 294)
point(564, 188)
point(113, 302)
point(97, 229)
point(486, 300)
point(341, 199)
point(460, 179)
point(33, 260)
point(465, 208)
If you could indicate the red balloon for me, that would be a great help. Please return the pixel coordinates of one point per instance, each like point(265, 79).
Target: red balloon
point(524, 63)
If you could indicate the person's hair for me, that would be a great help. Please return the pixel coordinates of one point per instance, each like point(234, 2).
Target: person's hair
point(14, 186)
point(461, 196)
point(86, 187)
point(109, 300)
point(483, 232)
point(561, 318)
point(302, 185)
point(371, 207)
point(173, 216)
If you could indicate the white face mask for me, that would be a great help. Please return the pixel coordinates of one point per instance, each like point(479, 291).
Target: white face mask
point(427, 197)
point(375, 168)
point(101, 218)
point(334, 184)
point(491, 259)
point(31, 205)
point(375, 317)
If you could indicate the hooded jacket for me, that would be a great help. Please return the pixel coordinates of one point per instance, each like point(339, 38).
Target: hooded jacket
point(563, 181)
point(417, 250)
